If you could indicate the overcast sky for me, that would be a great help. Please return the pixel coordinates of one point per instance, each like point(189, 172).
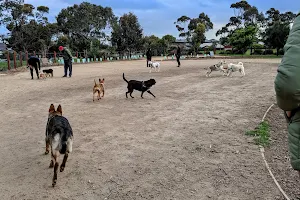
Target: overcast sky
point(158, 16)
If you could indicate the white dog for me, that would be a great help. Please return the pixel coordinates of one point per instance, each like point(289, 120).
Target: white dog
point(155, 65)
point(216, 67)
point(236, 67)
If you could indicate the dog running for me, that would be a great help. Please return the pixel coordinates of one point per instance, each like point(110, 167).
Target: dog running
point(216, 67)
point(142, 86)
point(59, 138)
point(155, 65)
point(236, 67)
point(48, 72)
point(98, 88)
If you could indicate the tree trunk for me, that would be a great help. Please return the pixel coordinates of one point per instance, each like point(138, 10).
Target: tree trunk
point(277, 51)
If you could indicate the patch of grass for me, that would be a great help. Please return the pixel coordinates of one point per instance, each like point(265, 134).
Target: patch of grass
point(261, 134)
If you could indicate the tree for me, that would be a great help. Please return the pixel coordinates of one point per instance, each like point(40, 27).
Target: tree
point(246, 19)
point(243, 38)
point(277, 28)
point(84, 22)
point(28, 26)
point(195, 32)
point(167, 40)
point(127, 34)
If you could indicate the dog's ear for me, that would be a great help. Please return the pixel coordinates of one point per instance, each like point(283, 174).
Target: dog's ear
point(59, 109)
point(103, 80)
point(52, 108)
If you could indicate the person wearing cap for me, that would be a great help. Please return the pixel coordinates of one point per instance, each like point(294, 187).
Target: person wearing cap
point(67, 56)
point(287, 90)
point(34, 62)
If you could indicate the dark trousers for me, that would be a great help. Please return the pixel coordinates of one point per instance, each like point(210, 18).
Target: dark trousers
point(148, 59)
point(177, 58)
point(36, 70)
point(68, 65)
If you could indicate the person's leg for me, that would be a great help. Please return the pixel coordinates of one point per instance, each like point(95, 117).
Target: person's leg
point(65, 68)
point(36, 71)
point(70, 68)
point(147, 62)
point(31, 72)
point(294, 140)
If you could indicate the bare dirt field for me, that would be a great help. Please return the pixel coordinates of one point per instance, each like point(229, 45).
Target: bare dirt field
point(189, 143)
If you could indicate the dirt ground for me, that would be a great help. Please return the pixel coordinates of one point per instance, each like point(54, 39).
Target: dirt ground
point(188, 143)
point(277, 154)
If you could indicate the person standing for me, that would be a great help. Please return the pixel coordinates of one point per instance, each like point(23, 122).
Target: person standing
point(178, 54)
point(67, 56)
point(149, 56)
point(34, 62)
point(287, 87)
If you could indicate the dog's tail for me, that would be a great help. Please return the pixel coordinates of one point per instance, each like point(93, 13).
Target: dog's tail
point(95, 82)
point(124, 78)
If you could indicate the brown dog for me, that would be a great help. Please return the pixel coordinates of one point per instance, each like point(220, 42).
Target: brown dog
point(98, 88)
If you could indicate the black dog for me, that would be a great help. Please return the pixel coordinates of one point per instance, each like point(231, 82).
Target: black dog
point(48, 71)
point(142, 86)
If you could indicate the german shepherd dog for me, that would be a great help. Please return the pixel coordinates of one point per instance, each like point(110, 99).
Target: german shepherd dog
point(98, 88)
point(48, 72)
point(59, 137)
point(142, 86)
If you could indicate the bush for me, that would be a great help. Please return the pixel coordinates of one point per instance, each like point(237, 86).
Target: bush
point(268, 52)
point(258, 46)
point(257, 52)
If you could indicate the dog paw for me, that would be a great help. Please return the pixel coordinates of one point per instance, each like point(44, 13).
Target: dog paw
point(62, 168)
point(46, 152)
point(51, 164)
point(53, 183)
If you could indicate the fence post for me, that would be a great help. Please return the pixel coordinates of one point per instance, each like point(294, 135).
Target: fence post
point(26, 58)
point(54, 57)
point(21, 59)
point(8, 61)
point(15, 61)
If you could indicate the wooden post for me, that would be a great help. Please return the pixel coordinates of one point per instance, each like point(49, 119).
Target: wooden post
point(21, 59)
point(26, 58)
point(54, 57)
point(8, 61)
point(15, 61)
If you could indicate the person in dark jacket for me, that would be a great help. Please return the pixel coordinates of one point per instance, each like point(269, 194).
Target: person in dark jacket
point(287, 87)
point(178, 54)
point(67, 60)
point(34, 62)
point(149, 56)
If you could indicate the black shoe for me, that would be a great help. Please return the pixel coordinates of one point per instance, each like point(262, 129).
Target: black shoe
point(32, 78)
point(64, 76)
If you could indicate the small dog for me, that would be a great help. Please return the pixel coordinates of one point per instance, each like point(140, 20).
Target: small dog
point(59, 137)
point(236, 67)
point(48, 72)
point(216, 67)
point(155, 65)
point(142, 86)
point(42, 75)
point(98, 88)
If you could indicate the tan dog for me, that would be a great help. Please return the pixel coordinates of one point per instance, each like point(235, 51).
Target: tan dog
point(98, 88)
